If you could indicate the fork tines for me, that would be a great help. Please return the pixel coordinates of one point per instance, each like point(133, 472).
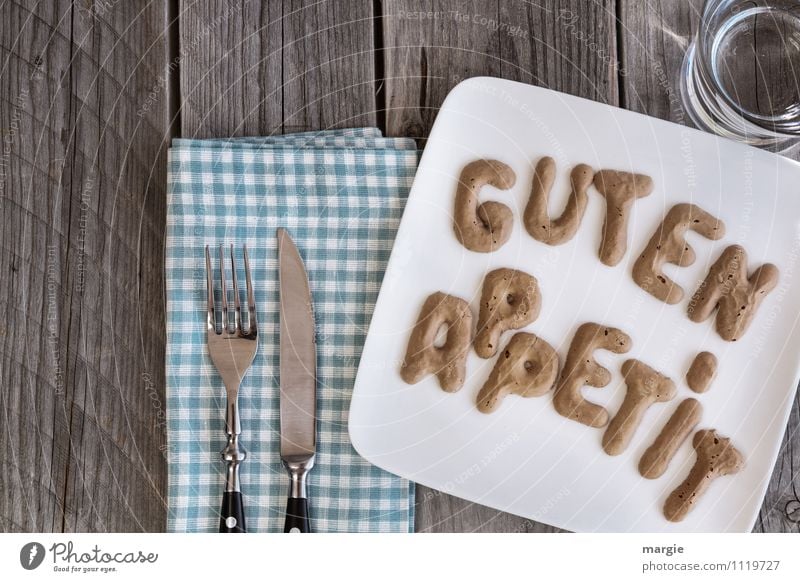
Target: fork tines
point(238, 325)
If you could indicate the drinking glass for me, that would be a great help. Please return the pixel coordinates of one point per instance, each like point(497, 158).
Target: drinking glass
point(741, 74)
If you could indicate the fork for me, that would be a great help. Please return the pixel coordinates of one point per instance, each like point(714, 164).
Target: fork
point(232, 349)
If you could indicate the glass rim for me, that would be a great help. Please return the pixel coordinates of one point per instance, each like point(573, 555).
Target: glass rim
point(724, 123)
point(703, 47)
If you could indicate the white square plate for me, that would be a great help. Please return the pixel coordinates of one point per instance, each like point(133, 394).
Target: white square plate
point(525, 458)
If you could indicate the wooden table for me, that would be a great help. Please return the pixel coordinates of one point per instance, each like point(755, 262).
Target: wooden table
point(91, 91)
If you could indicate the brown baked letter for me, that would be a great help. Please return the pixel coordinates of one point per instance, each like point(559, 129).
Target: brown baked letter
point(702, 371)
point(510, 300)
point(644, 387)
point(657, 457)
point(483, 227)
point(448, 361)
point(581, 369)
point(528, 367)
point(668, 245)
point(537, 219)
point(621, 190)
point(738, 297)
point(716, 457)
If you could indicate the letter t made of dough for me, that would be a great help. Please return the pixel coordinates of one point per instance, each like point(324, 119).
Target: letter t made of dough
point(621, 190)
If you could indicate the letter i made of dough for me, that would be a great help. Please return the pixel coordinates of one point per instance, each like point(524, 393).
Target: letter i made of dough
point(581, 369)
point(716, 457)
point(644, 387)
point(621, 190)
point(528, 366)
point(483, 227)
point(657, 457)
point(668, 245)
point(738, 296)
point(510, 299)
point(537, 219)
point(448, 360)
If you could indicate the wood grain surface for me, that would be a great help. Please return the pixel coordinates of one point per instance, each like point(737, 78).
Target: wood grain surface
point(275, 67)
point(567, 46)
point(90, 93)
point(81, 268)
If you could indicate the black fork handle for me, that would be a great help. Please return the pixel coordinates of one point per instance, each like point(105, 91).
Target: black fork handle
point(231, 518)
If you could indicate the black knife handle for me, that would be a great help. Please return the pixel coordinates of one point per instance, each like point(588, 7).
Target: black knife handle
point(231, 519)
point(297, 516)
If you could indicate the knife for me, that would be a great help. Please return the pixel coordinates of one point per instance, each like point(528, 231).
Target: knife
point(298, 380)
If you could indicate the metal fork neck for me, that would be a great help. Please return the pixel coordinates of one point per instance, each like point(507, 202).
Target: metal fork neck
point(233, 425)
point(233, 454)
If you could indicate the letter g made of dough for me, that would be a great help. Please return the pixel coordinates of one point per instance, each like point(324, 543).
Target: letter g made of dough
point(483, 227)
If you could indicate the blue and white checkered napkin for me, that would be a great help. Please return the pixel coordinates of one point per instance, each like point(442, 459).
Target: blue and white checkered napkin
point(341, 195)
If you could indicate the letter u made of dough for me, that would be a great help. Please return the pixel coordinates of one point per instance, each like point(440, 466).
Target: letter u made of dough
point(738, 296)
point(581, 369)
point(537, 219)
point(528, 366)
point(448, 361)
point(483, 227)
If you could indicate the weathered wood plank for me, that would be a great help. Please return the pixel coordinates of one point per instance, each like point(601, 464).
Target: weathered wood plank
point(259, 68)
point(655, 36)
point(781, 509)
point(429, 48)
point(35, 414)
point(229, 59)
point(118, 478)
point(81, 283)
point(328, 65)
point(568, 46)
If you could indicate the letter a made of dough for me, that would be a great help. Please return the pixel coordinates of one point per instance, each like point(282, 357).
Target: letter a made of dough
point(448, 361)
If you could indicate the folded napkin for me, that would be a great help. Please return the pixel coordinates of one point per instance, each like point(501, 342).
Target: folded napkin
point(341, 195)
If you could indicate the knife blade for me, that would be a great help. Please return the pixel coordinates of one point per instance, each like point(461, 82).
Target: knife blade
point(298, 379)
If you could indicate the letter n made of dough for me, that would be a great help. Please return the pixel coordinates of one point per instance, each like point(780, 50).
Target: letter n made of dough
point(738, 296)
